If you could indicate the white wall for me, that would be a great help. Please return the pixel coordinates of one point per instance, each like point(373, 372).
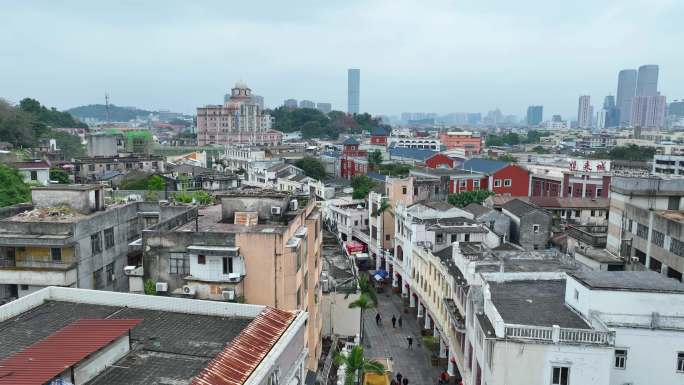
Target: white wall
point(338, 318)
point(97, 362)
point(527, 364)
point(212, 270)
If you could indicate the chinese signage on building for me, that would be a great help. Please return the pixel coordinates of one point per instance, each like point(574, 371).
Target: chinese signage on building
point(589, 165)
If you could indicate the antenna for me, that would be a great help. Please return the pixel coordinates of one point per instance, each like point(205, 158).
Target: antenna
point(107, 108)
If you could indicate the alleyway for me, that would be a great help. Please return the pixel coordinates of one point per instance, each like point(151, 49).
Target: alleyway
point(384, 341)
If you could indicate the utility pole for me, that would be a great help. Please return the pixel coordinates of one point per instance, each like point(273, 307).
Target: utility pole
point(107, 108)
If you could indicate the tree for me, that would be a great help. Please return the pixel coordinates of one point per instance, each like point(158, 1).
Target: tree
point(467, 197)
point(356, 365)
point(507, 158)
point(631, 152)
point(374, 159)
point(70, 145)
point(362, 186)
point(15, 125)
point(59, 175)
point(394, 169)
point(312, 167)
point(13, 190)
point(540, 150)
point(156, 183)
point(379, 212)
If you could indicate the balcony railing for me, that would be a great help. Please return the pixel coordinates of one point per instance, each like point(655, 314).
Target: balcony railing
point(35, 262)
point(594, 236)
point(558, 334)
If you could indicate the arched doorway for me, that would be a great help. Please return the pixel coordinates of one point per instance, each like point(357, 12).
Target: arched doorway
point(400, 253)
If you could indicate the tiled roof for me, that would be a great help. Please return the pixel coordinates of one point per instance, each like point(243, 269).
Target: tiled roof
point(376, 176)
point(238, 360)
point(487, 166)
point(477, 209)
point(380, 131)
point(27, 165)
point(411, 153)
point(350, 141)
point(518, 207)
point(42, 361)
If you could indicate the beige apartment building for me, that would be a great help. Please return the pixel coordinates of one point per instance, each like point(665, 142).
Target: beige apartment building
point(254, 246)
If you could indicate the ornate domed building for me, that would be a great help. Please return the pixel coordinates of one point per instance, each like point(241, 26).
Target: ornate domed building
point(240, 120)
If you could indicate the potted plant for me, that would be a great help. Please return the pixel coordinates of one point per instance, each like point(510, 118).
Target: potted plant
point(432, 344)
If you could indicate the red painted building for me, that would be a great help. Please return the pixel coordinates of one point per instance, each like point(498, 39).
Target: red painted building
point(439, 160)
point(546, 187)
point(379, 136)
point(504, 178)
point(353, 161)
point(577, 185)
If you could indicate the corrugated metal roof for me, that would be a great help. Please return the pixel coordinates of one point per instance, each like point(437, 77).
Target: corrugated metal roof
point(42, 361)
point(239, 359)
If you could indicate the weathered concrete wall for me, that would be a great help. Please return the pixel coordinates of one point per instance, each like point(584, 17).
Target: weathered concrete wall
point(261, 205)
point(528, 239)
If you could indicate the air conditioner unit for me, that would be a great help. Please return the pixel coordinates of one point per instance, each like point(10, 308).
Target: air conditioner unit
point(635, 259)
point(294, 205)
point(275, 210)
point(234, 277)
point(189, 290)
point(420, 243)
point(229, 295)
point(161, 287)
point(128, 270)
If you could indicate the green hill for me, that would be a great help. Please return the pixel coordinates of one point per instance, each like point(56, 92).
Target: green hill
point(116, 113)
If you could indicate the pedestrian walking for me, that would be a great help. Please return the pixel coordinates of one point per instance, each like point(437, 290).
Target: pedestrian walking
point(399, 320)
point(410, 342)
point(377, 319)
point(394, 321)
point(404, 381)
point(399, 377)
point(393, 382)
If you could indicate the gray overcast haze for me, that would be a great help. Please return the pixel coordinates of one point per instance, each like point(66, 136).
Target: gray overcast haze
point(431, 56)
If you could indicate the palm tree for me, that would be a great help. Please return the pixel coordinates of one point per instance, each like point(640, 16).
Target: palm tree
point(374, 159)
point(356, 365)
point(364, 302)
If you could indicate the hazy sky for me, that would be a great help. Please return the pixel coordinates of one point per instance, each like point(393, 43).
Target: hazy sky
point(429, 55)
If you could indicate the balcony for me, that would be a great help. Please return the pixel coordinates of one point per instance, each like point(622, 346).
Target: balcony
point(37, 272)
point(558, 335)
point(594, 236)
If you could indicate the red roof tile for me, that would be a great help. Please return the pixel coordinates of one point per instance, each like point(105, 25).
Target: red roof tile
point(45, 359)
point(239, 359)
point(25, 165)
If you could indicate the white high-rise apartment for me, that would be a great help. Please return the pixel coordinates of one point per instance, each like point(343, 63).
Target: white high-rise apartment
point(584, 112)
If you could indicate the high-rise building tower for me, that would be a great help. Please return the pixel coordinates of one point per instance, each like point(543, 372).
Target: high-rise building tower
point(627, 80)
point(353, 90)
point(534, 115)
point(648, 112)
point(608, 117)
point(584, 112)
point(647, 81)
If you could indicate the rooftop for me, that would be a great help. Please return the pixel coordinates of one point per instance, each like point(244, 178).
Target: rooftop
point(167, 347)
point(519, 207)
point(486, 166)
point(534, 302)
point(648, 281)
point(411, 153)
point(31, 165)
point(477, 209)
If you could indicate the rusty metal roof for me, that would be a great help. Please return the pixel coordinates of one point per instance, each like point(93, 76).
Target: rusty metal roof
point(239, 359)
point(47, 358)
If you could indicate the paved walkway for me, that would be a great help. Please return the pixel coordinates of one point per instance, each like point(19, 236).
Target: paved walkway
point(384, 341)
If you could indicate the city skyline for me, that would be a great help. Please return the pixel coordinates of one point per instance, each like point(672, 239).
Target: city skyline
point(151, 73)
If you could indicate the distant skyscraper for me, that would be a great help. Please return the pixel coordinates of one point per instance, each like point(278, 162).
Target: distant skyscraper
point(556, 118)
point(353, 90)
point(647, 81)
point(676, 108)
point(584, 112)
point(307, 104)
point(474, 118)
point(648, 111)
point(609, 116)
point(290, 103)
point(258, 100)
point(534, 115)
point(324, 107)
point(627, 80)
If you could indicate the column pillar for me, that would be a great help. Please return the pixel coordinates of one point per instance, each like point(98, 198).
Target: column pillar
point(395, 280)
point(412, 300)
point(442, 348)
point(404, 289)
point(450, 364)
point(378, 260)
point(427, 320)
point(420, 309)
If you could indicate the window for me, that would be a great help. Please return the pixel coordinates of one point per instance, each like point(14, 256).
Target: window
point(673, 203)
point(96, 243)
point(227, 265)
point(593, 213)
point(110, 273)
point(497, 182)
point(439, 238)
point(677, 247)
point(132, 228)
point(657, 238)
point(91, 167)
point(535, 228)
point(403, 190)
point(560, 375)
point(109, 167)
point(629, 226)
point(56, 254)
point(454, 238)
point(599, 192)
point(462, 184)
point(620, 358)
point(680, 362)
point(476, 184)
point(24, 287)
point(34, 175)
point(507, 183)
point(570, 190)
point(97, 279)
point(179, 264)
point(299, 297)
point(415, 191)
point(201, 259)
point(387, 237)
point(109, 238)
point(642, 231)
point(576, 295)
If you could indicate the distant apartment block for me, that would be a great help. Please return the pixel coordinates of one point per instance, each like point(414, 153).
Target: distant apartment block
point(470, 142)
point(648, 112)
point(306, 104)
point(93, 169)
point(534, 115)
point(584, 112)
point(290, 103)
point(324, 107)
point(665, 165)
